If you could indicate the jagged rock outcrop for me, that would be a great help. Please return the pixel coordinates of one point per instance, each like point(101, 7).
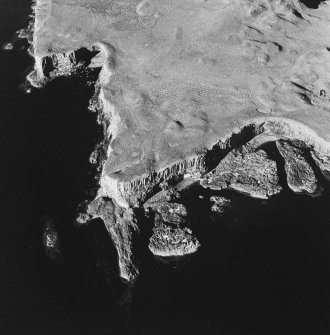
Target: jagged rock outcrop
point(300, 175)
point(122, 226)
point(51, 240)
point(219, 204)
point(170, 237)
point(171, 213)
point(251, 172)
point(168, 241)
point(64, 64)
point(323, 162)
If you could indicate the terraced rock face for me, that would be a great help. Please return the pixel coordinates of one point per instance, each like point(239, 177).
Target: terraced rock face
point(252, 173)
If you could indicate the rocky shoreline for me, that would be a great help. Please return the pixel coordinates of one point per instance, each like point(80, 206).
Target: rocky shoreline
point(131, 171)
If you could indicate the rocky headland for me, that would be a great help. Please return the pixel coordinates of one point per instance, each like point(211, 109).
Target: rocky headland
point(192, 93)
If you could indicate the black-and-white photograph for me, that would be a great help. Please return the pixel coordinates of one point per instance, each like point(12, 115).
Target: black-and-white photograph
point(165, 167)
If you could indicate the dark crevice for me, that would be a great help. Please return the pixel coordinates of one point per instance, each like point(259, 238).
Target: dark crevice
point(306, 98)
point(274, 154)
point(297, 14)
point(146, 225)
point(300, 86)
point(218, 152)
point(280, 47)
point(179, 124)
point(48, 66)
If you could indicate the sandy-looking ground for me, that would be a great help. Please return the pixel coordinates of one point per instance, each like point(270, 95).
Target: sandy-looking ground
point(181, 75)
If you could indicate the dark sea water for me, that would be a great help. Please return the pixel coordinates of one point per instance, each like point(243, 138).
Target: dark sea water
point(262, 269)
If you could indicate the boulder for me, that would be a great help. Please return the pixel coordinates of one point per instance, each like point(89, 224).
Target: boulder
point(170, 235)
point(169, 241)
point(51, 240)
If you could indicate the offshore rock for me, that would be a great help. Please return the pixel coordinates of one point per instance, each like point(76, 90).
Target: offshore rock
point(170, 241)
point(219, 204)
point(51, 240)
point(121, 225)
point(169, 237)
point(83, 218)
point(300, 175)
point(8, 46)
point(251, 172)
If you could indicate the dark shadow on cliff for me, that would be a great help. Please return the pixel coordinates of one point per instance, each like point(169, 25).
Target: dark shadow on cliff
point(314, 4)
